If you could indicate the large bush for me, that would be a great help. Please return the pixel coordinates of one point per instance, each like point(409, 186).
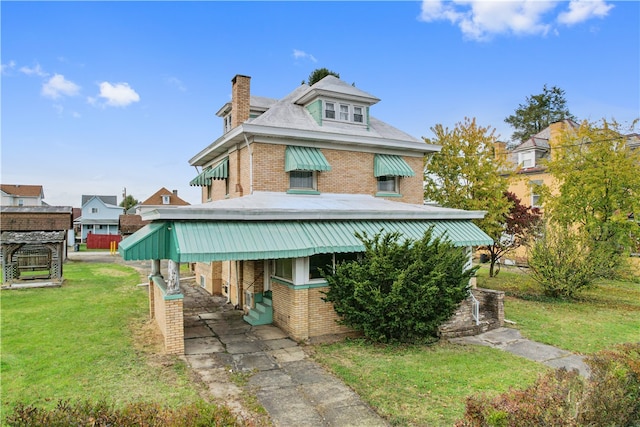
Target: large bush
point(400, 291)
point(609, 397)
point(562, 262)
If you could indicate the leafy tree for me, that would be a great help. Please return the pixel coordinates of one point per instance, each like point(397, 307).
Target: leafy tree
point(319, 74)
point(466, 174)
point(129, 202)
point(400, 291)
point(519, 224)
point(562, 261)
point(598, 181)
point(539, 112)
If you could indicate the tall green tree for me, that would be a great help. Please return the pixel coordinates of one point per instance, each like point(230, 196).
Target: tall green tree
point(129, 202)
point(598, 180)
point(538, 112)
point(466, 174)
point(319, 74)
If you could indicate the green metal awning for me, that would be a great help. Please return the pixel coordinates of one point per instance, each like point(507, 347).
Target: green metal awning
point(304, 159)
point(389, 165)
point(193, 241)
point(220, 171)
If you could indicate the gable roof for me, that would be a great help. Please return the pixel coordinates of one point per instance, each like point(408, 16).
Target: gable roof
point(18, 190)
point(156, 198)
point(107, 200)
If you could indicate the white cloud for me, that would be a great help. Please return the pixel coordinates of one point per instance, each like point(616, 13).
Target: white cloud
point(580, 11)
point(6, 67)
point(58, 86)
point(300, 54)
point(34, 71)
point(116, 95)
point(480, 20)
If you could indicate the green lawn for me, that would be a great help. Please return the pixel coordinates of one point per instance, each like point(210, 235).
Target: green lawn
point(606, 314)
point(428, 385)
point(84, 340)
point(424, 385)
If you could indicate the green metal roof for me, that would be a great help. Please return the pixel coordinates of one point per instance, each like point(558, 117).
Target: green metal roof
point(304, 159)
point(192, 241)
point(220, 171)
point(389, 165)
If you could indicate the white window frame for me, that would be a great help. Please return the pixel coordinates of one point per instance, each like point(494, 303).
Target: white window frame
point(328, 110)
point(343, 112)
point(166, 199)
point(361, 114)
point(314, 180)
point(293, 269)
point(527, 159)
point(535, 196)
point(94, 210)
point(396, 184)
point(227, 123)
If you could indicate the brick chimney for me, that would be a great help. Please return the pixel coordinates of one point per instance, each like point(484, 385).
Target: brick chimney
point(240, 94)
point(175, 192)
point(500, 150)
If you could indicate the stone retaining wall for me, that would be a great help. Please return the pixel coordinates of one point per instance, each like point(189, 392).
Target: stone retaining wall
point(462, 322)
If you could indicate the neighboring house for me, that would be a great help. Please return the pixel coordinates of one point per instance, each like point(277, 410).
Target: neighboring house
point(22, 195)
point(284, 190)
point(132, 222)
point(162, 198)
point(100, 215)
point(33, 242)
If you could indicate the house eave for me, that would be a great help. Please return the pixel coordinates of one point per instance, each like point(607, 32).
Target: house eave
point(236, 136)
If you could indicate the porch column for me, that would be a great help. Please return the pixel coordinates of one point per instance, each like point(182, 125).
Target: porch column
point(173, 281)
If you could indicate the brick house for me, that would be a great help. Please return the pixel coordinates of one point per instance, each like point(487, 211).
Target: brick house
point(284, 190)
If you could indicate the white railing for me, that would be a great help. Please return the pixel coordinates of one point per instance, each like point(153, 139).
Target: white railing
point(475, 308)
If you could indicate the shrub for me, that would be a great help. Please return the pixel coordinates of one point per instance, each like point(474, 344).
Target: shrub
point(562, 263)
point(102, 414)
point(609, 397)
point(400, 292)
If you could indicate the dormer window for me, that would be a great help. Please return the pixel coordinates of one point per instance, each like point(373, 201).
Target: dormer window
point(329, 110)
point(526, 159)
point(344, 112)
point(358, 115)
point(227, 123)
point(165, 200)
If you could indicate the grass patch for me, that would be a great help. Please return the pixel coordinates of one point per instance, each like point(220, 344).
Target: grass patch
point(77, 342)
point(602, 316)
point(424, 385)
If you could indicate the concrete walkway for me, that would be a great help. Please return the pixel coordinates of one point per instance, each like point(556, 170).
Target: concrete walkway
point(511, 340)
point(293, 389)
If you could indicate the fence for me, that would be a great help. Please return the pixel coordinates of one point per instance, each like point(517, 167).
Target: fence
point(102, 241)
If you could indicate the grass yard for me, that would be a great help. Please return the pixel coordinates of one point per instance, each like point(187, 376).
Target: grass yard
point(424, 385)
point(604, 315)
point(78, 342)
point(428, 385)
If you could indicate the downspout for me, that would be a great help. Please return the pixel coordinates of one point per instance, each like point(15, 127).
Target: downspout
point(229, 283)
point(237, 286)
point(250, 164)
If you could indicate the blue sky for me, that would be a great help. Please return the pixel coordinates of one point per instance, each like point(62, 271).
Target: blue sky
point(101, 96)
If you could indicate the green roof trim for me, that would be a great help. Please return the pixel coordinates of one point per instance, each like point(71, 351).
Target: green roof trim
point(220, 171)
point(304, 159)
point(193, 241)
point(390, 165)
